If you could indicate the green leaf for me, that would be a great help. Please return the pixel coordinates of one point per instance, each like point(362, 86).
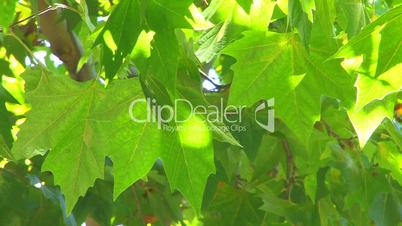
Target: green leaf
point(283, 69)
point(188, 87)
point(23, 204)
point(163, 62)
point(310, 185)
point(133, 147)
point(7, 13)
point(5, 96)
point(67, 128)
point(379, 71)
point(322, 34)
point(230, 23)
point(351, 16)
point(5, 151)
point(292, 212)
point(222, 135)
point(394, 132)
point(329, 216)
point(5, 68)
point(189, 162)
point(261, 13)
point(333, 73)
point(386, 209)
point(233, 207)
point(308, 7)
point(235, 163)
point(212, 42)
point(374, 113)
point(125, 25)
point(7, 120)
point(245, 4)
point(92, 122)
point(300, 20)
point(370, 88)
point(390, 158)
point(269, 156)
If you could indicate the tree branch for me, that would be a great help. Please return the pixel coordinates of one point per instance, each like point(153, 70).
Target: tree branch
point(291, 168)
point(90, 221)
point(344, 143)
point(64, 43)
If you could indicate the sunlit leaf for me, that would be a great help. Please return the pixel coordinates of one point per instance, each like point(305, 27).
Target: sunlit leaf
point(282, 69)
point(7, 13)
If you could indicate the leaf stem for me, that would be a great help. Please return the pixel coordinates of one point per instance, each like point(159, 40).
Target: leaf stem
point(29, 51)
point(219, 86)
point(291, 169)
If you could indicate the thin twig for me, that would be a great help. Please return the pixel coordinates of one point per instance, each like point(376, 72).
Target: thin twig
point(137, 203)
point(219, 86)
point(343, 142)
point(44, 11)
point(291, 168)
point(38, 62)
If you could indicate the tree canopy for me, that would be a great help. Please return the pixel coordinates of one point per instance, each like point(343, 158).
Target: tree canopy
point(201, 112)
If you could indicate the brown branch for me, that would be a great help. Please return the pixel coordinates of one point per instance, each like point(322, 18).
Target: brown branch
point(343, 142)
point(64, 43)
point(137, 203)
point(90, 221)
point(291, 168)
